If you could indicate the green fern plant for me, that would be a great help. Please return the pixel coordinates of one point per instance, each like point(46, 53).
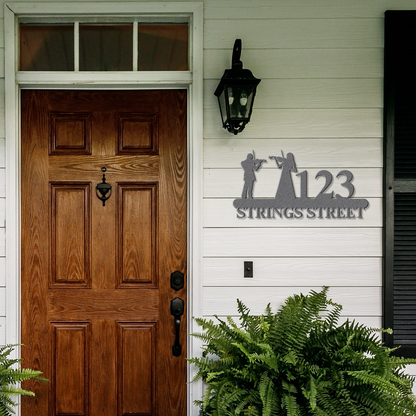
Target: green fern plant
point(300, 362)
point(10, 376)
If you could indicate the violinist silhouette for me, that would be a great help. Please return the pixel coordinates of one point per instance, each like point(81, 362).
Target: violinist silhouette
point(250, 165)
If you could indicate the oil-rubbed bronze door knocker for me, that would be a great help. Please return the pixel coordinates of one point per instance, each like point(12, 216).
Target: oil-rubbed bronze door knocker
point(103, 188)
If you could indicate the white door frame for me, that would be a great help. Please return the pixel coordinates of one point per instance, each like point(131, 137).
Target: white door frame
point(191, 80)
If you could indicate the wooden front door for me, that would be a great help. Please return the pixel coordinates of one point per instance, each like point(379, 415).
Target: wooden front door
point(96, 290)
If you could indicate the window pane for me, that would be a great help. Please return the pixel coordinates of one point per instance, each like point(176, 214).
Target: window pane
point(106, 47)
point(163, 47)
point(46, 48)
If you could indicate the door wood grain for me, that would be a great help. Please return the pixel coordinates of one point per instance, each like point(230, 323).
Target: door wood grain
point(96, 279)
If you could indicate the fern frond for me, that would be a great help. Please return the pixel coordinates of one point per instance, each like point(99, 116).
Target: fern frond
point(300, 361)
point(290, 405)
point(10, 376)
point(267, 390)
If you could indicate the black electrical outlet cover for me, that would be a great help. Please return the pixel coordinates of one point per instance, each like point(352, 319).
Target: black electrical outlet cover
point(248, 269)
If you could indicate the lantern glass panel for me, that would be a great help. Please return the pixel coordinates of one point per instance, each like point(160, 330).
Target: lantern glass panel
point(223, 106)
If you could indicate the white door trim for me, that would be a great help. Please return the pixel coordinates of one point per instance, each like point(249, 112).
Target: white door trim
point(191, 80)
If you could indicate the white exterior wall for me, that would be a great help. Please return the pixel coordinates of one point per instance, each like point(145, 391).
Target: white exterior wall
point(321, 98)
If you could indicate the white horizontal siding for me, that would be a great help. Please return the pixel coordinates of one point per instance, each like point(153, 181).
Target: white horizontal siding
point(2, 302)
point(2, 212)
point(320, 98)
point(294, 33)
point(1, 108)
point(268, 272)
point(299, 63)
point(316, 9)
point(2, 271)
point(303, 123)
point(2, 154)
point(292, 242)
point(2, 330)
point(2, 181)
point(2, 63)
point(2, 242)
point(299, 9)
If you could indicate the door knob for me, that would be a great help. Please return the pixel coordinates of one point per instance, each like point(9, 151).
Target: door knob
point(176, 309)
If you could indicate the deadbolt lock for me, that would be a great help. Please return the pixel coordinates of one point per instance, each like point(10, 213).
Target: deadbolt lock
point(177, 280)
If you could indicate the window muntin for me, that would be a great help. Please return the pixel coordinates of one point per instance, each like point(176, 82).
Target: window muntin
point(108, 46)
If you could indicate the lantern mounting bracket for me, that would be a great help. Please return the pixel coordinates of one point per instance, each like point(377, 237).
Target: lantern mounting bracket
point(236, 58)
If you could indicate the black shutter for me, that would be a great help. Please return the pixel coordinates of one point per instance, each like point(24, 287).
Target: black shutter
point(400, 180)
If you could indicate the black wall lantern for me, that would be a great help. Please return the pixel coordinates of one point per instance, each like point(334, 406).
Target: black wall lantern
point(236, 92)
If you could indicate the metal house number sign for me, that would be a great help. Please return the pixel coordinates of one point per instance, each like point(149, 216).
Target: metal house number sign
point(285, 204)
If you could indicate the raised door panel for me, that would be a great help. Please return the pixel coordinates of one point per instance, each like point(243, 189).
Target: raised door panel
point(137, 234)
point(136, 369)
point(137, 133)
point(70, 234)
point(70, 368)
point(69, 133)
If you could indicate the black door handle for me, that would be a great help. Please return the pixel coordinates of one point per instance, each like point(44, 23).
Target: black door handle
point(176, 309)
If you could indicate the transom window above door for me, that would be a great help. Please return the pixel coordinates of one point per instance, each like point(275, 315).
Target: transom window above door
point(115, 46)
